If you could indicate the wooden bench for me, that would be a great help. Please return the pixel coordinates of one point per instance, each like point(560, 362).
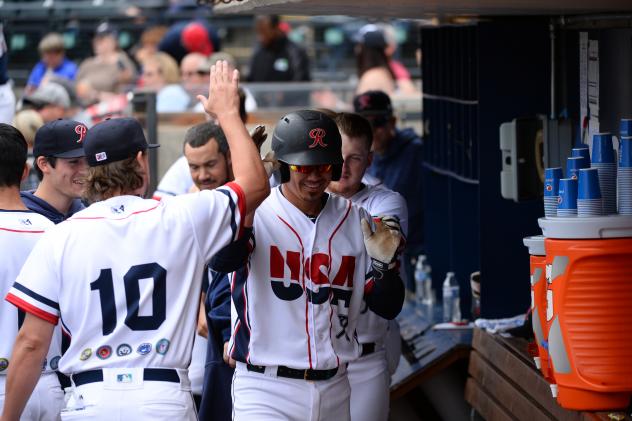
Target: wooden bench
point(504, 384)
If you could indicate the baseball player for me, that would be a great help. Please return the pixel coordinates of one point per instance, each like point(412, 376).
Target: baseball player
point(135, 267)
point(20, 229)
point(61, 166)
point(206, 152)
point(296, 303)
point(368, 375)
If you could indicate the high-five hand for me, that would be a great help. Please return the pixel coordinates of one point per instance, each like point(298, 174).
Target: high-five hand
point(223, 95)
point(381, 244)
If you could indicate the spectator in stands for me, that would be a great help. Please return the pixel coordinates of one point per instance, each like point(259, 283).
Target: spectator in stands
point(195, 74)
point(53, 62)
point(108, 71)
point(161, 74)
point(197, 78)
point(7, 98)
point(190, 37)
point(277, 59)
point(148, 44)
point(397, 158)
point(374, 72)
point(50, 100)
point(28, 122)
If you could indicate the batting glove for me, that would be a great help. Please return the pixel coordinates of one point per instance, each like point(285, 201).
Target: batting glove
point(270, 163)
point(382, 244)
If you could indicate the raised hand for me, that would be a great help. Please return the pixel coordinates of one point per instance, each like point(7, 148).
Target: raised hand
point(381, 244)
point(223, 98)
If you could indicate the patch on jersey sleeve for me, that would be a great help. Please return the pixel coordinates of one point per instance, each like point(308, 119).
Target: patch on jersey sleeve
point(104, 352)
point(123, 350)
point(85, 354)
point(162, 346)
point(144, 348)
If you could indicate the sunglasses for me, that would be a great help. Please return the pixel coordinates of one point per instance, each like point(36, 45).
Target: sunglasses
point(308, 169)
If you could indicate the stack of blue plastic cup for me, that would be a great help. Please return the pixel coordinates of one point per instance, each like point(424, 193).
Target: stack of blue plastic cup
point(574, 164)
point(584, 152)
point(624, 176)
point(603, 160)
point(589, 196)
point(567, 203)
point(625, 127)
point(552, 178)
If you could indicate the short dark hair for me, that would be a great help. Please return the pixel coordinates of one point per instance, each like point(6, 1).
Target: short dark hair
point(52, 161)
point(13, 150)
point(354, 125)
point(200, 134)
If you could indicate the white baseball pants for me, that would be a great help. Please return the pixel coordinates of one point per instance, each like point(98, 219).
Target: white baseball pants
point(263, 397)
point(45, 402)
point(370, 381)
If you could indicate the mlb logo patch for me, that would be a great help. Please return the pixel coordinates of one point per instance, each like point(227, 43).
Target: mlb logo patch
point(124, 378)
point(101, 156)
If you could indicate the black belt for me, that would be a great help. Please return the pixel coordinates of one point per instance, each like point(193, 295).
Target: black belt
point(149, 374)
point(293, 373)
point(368, 348)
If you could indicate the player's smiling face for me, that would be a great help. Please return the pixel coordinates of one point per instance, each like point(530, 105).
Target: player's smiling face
point(306, 190)
point(68, 176)
point(208, 166)
point(357, 158)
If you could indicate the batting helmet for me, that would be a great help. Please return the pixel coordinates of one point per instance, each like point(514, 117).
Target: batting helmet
point(307, 137)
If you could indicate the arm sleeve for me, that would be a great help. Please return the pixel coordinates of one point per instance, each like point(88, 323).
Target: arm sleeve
point(218, 305)
point(234, 255)
point(216, 216)
point(385, 296)
point(36, 289)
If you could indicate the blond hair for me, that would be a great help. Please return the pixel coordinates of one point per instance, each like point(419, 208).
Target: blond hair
point(167, 67)
point(28, 122)
point(109, 180)
point(51, 43)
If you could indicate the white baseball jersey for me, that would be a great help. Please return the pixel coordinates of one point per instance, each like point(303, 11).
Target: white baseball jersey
point(19, 232)
point(297, 302)
point(124, 275)
point(378, 200)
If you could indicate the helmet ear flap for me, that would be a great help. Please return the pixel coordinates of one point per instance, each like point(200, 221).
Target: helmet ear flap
point(336, 172)
point(285, 172)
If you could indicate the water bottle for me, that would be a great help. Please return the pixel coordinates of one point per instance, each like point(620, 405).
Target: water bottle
point(428, 293)
point(420, 278)
point(451, 300)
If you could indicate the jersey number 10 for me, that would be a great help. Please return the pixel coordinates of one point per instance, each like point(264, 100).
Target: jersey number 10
point(105, 285)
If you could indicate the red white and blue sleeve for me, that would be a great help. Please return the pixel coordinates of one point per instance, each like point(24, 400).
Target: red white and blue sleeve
point(217, 216)
point(36, 288)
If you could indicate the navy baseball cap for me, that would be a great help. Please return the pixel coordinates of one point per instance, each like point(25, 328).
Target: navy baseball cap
point(105, 28)
point(372, 103)
point(61, 139)
point(114, 140)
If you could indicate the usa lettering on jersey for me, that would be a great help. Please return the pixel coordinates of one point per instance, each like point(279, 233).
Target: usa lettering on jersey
point(297, 302)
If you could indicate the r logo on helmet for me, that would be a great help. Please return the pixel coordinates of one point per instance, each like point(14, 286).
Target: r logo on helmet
point(317, 134)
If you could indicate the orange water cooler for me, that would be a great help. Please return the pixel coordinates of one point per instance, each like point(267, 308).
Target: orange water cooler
point(537, 261)
point(589, 310)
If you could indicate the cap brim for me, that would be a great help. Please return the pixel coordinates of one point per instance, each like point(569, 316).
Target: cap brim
point(75, 153)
